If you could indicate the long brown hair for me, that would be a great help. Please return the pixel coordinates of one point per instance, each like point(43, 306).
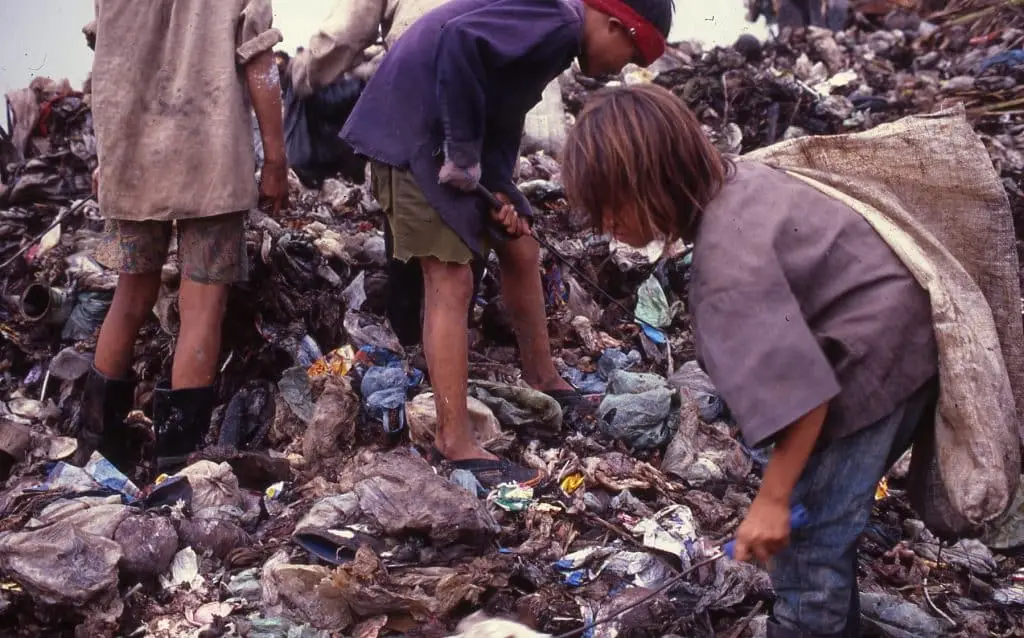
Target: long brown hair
point(639, 153)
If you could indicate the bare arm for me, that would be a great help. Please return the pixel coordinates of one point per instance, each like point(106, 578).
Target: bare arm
point(264, 86)
point(337, 47)
point(765, 530)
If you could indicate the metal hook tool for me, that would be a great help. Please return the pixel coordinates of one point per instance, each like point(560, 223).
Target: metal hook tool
point(496, 204)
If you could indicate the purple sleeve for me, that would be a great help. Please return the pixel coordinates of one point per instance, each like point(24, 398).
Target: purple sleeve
point(762, 356)
point(476, 45)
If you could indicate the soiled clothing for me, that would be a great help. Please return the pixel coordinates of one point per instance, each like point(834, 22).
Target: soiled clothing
point(211, 250)
point(796, 302)
point(170, 107)
point(461, 80)
point(815, 576)
point(416, 228)
point(352, 26)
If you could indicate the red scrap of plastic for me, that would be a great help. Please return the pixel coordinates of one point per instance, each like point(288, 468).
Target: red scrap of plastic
point(45, 110)
point(985, 39)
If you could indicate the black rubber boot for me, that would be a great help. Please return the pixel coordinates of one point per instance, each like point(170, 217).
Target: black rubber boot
point(181, 419)
point(105, 406)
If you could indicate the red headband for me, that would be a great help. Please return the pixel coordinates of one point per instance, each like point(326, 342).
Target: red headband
point(648, 40)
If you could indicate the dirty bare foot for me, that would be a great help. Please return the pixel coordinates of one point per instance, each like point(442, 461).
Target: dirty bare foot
point(462, 449)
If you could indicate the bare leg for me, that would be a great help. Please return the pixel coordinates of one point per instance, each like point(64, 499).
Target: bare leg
point(202, 308)
point(448, 288)
point(524, 297)
point(134, 298)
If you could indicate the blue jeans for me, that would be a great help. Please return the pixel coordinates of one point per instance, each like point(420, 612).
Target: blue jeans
point(815, 577)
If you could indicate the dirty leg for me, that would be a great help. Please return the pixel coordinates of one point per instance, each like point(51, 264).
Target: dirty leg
point(448, 288)
point(134, 298)
point(196, 354)
point(524, 297)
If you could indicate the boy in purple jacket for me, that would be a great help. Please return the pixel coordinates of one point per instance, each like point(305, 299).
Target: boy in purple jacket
point(444, 113)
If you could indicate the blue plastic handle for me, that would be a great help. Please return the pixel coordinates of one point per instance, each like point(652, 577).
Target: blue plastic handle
point(798, 517)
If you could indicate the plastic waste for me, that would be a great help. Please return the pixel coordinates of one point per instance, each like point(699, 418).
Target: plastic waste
point(400, 493)
point(511, 497)
point(365, 330)
point(695, 385)
point(148, 545)
point(642, 420)
point(90, 309)
point(672, 530)
point(97, 515)
point(701, 452)
point(306, 592)
point(214, 536)
point(640, 569)
point(523, 410)
point(97, 473)
point(651, 305)
point(69, 364)
point(385, 392)
point(478, 625)
point(896, 618)
point(60, 564)
point(332, 426)
point(612, 360)
point(467, 480)
point(248, 416)
point(330, 531)
point(297, 393)
point(246, 585)
point(421, 414)
point(184, 571)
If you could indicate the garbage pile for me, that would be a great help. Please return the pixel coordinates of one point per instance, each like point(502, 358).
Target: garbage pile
point(312, 510)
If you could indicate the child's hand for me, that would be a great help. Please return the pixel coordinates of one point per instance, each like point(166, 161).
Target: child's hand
point(464, 179)
point(96, 181)
point(509, 219)
point(273, 186)
point(765, 530)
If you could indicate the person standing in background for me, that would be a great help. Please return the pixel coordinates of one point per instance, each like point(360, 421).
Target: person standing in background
point(826, 14)
point(172, 86)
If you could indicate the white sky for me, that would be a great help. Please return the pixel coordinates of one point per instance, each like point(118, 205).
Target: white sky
point(44, 37)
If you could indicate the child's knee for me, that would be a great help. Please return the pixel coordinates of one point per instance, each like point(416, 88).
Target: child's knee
point(136, 294)
point(447, 280)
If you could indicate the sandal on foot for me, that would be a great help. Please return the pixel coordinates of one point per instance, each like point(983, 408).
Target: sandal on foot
point(492, 473)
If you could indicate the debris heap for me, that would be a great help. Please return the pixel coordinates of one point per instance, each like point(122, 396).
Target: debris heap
point(312, 512)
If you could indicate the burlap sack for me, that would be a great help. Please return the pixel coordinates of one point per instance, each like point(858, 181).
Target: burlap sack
point(927, 185)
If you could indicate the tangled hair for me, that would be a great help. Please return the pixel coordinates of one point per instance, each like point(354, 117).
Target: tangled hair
point(639, 153)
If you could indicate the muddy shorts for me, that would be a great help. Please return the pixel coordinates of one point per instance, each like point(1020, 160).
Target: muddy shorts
point(417, 228)
point(211, 250)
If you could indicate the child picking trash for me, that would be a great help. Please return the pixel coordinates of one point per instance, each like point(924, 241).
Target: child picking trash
point(817, 336)
point(172, 86)
point(444, 113)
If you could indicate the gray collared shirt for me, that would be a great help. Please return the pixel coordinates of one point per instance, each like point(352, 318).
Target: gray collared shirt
point(797, 301)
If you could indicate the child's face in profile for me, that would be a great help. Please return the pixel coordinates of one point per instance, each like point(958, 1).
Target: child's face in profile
point(627, 227)
point(607, 46)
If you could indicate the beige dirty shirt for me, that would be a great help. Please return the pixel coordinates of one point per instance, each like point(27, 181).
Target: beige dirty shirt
point(353, 26)
point(170, 107)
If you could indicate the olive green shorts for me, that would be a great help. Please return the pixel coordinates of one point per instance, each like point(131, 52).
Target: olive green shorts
point(417, 228)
